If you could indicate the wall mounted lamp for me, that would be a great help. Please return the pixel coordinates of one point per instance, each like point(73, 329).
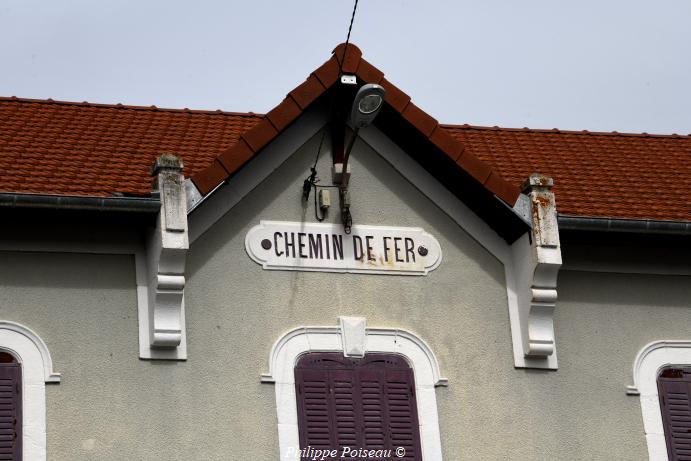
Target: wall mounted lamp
point(366, 105)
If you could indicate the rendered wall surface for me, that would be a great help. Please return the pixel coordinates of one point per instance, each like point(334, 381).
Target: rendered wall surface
point(490, 410)
point(84, 307)
point(237, 306)
point(112, 406)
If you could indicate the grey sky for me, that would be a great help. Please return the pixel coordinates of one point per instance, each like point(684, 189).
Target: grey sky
point(597, 65)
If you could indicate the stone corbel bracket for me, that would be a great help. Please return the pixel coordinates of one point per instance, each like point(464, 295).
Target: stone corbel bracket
point(162, 329)
point(536, 262)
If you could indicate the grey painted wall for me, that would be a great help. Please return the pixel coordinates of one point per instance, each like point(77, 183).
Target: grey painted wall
point(236, 306)
point(111, 405)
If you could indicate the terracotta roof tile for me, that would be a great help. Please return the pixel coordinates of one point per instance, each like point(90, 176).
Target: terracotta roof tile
point(284, 114)
point(259, 135)
point(617, 175)
point(352, 57)
point(420, 119)
point(307, 92)
point(51, 147)
point(349, 57)
point(394, 96)
point(368, 73)
point(64, 148)
point(232, 159)
point(444, 141)
point(210, 177)
point(328, 72)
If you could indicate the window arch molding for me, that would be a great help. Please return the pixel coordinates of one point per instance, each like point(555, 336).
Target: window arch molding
point(649, 361)
point(302, 340)
point(37, 369)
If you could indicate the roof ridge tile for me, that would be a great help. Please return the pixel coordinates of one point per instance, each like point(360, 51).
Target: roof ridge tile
point(50, 101)
point(466, 126)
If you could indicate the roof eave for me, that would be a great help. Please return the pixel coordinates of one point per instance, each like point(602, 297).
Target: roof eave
point(140, 205)
point(618, 225)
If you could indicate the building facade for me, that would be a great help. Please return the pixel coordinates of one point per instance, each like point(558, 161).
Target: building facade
point(170, 293)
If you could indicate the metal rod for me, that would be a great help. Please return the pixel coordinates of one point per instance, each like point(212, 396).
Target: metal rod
point(345, 178)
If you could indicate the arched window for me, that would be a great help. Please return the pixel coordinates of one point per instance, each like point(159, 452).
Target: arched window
point(660, 379)
point(356, 344)
point(26, 366)
point(10, 407)
point(363, 408)
point(674, 386)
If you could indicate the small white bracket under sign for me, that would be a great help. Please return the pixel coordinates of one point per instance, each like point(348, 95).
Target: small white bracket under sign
point(325, 247)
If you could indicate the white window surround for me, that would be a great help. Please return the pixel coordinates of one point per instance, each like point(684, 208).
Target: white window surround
point(646, 367)
point(294, 343)
point(37, 369)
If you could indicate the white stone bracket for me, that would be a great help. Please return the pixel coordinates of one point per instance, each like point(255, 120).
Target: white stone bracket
point(536, 262)
point(162, 327)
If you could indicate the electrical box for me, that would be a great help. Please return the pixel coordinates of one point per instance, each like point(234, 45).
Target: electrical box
point(324, 199)
point(345, 199)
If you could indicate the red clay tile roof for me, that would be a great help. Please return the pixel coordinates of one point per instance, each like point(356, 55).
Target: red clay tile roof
point(65, 148)
point(348, 59)
point(615, 175)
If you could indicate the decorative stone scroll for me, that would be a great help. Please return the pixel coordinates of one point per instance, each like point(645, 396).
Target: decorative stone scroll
point(537, 260)
point(166, 253)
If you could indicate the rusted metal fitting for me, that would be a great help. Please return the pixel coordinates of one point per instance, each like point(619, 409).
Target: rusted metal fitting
point(537, 180)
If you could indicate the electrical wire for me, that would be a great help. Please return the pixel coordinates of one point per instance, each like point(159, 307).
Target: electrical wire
point(321, 143)
point(312, 179)
point(345, 49)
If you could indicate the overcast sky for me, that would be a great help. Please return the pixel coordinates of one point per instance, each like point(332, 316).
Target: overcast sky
point(589, 64)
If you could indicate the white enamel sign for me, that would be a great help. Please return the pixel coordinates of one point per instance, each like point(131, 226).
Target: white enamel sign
point(325, 247)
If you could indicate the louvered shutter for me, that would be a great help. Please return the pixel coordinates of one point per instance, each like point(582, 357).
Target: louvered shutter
point(403, 422)
point(314, 409)
point(373, 402)
point(366, 403)
point(345, 408)
point(10, 411)
point(674, 385)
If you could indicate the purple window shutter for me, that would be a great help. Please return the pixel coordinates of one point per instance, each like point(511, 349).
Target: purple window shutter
point(402, 407)
point(315, 417)
point(10, 411)
point(373, 403)
point(366, 403)
point(346, 410)
point(674, 386)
